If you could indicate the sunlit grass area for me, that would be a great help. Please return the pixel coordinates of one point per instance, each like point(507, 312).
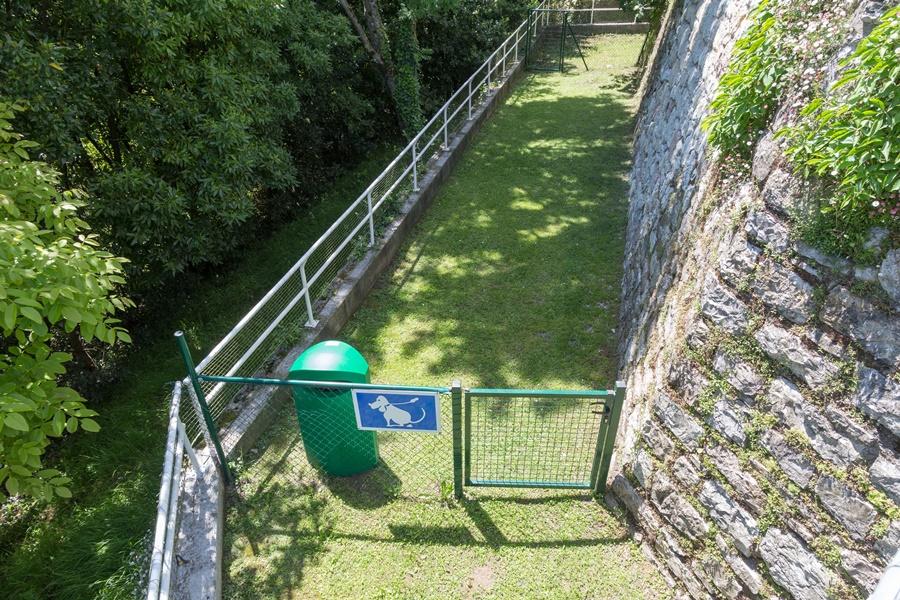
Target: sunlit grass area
point(511, 280)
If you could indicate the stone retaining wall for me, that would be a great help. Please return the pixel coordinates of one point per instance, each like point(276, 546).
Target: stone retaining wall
point(760, 434)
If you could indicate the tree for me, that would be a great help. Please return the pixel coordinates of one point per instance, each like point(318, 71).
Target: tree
point(55, 281)
point(181, 119)
point(395, 50)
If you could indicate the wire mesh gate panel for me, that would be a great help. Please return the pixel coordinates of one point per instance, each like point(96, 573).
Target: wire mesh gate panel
point(534, 438)
point(552, 40)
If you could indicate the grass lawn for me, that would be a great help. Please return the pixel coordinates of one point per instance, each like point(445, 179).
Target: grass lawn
point(511, 280)
point(83, 548)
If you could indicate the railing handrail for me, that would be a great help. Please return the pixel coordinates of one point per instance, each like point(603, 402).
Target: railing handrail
point(467, 91)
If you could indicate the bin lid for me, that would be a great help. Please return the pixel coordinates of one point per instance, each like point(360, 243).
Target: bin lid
point(331, 360)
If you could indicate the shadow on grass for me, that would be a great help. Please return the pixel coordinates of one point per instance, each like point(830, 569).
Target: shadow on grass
point(516, 273)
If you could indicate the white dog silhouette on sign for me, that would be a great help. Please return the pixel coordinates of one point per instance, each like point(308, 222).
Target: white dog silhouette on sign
point(393, 416)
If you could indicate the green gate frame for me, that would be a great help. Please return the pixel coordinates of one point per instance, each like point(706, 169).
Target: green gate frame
point(461, 399)
point(611, 401)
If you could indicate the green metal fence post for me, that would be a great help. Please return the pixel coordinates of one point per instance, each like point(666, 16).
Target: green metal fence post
point(467, 433)
point(615, 413)
point(201, 399)
point(456, 400)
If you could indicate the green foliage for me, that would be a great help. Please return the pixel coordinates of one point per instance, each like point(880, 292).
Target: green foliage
point(54, 281)
point(749, 91)
point(456, 38)
point(406, 52)
point(645, 10)
point(849, 138)
point(190, 111)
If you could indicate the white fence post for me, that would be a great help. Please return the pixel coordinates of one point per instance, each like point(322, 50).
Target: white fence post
point(311, 321)
point(415, 166)
point(446, 126)
point(593, 4)
point(470, 98)
point(371, 219)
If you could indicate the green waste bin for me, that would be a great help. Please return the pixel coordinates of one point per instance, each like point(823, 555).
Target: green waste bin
point(326, 416)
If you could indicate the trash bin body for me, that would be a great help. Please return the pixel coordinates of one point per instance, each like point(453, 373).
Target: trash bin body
point(327, 420)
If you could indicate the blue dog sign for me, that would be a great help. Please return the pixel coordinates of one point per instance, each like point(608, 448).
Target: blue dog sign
point(386, 410)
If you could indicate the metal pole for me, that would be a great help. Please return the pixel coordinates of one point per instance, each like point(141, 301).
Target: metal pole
point(446, 135)
point(456, 393)
point(415, 167)
point(204, 408)
point(610, 442)
point(311, 320)
point(470, 97)
point(371, 219)
point(593, 4)
point(562, 40)
point(467, 432)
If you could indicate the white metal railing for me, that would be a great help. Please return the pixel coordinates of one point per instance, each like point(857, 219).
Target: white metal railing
point(163, 554)
point(293, 299)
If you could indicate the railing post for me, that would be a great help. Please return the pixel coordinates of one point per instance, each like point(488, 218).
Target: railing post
point(415, 165)
point(503, 72)
point(516, 49)
point(470, 98)
point(593, 4)
point(615, 412)
point(371, 219)
point(311, 320)
point(446, 127)
point(201, 400)
point(456, 393)
point(489, 77)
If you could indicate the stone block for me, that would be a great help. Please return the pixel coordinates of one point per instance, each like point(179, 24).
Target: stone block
point(889, 275)
point(676, 509)
point(685, 471)
point(722, 307)
point(788, 350)
point(729, 516)
point(642, 468)
point(794, 567)
point(745, 569)
point(847, 506)
point(860, 570)
point(874, 330)
point(744, 484)
point(795, 465)
point(739, 373)
point(763, 227)
point(657, 440)
point(796, 413)
point(722, 583)
point(739, 261)
point(885, 474)
point(888, 545)
point(729, 418)
point(785, 291)
point(878, 397)
point(679, 422)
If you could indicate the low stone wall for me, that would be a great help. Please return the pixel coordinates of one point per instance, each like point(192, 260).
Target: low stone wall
point(763, 413)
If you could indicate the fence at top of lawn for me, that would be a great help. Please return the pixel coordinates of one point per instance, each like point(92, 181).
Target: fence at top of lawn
point(296, 298)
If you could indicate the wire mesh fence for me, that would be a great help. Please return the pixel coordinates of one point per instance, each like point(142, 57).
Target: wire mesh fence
point(320, 444)
point(531, 441)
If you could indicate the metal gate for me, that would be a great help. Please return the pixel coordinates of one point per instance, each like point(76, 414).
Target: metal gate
point(535, 438)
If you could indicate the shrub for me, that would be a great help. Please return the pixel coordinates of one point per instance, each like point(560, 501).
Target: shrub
point(55, 281)
point(850, 138)
point(749, 91)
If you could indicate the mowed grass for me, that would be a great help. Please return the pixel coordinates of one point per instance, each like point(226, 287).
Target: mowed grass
point(93, 546)
point(511, 280)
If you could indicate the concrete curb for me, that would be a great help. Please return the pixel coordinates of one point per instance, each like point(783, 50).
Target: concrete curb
point(199, 553)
